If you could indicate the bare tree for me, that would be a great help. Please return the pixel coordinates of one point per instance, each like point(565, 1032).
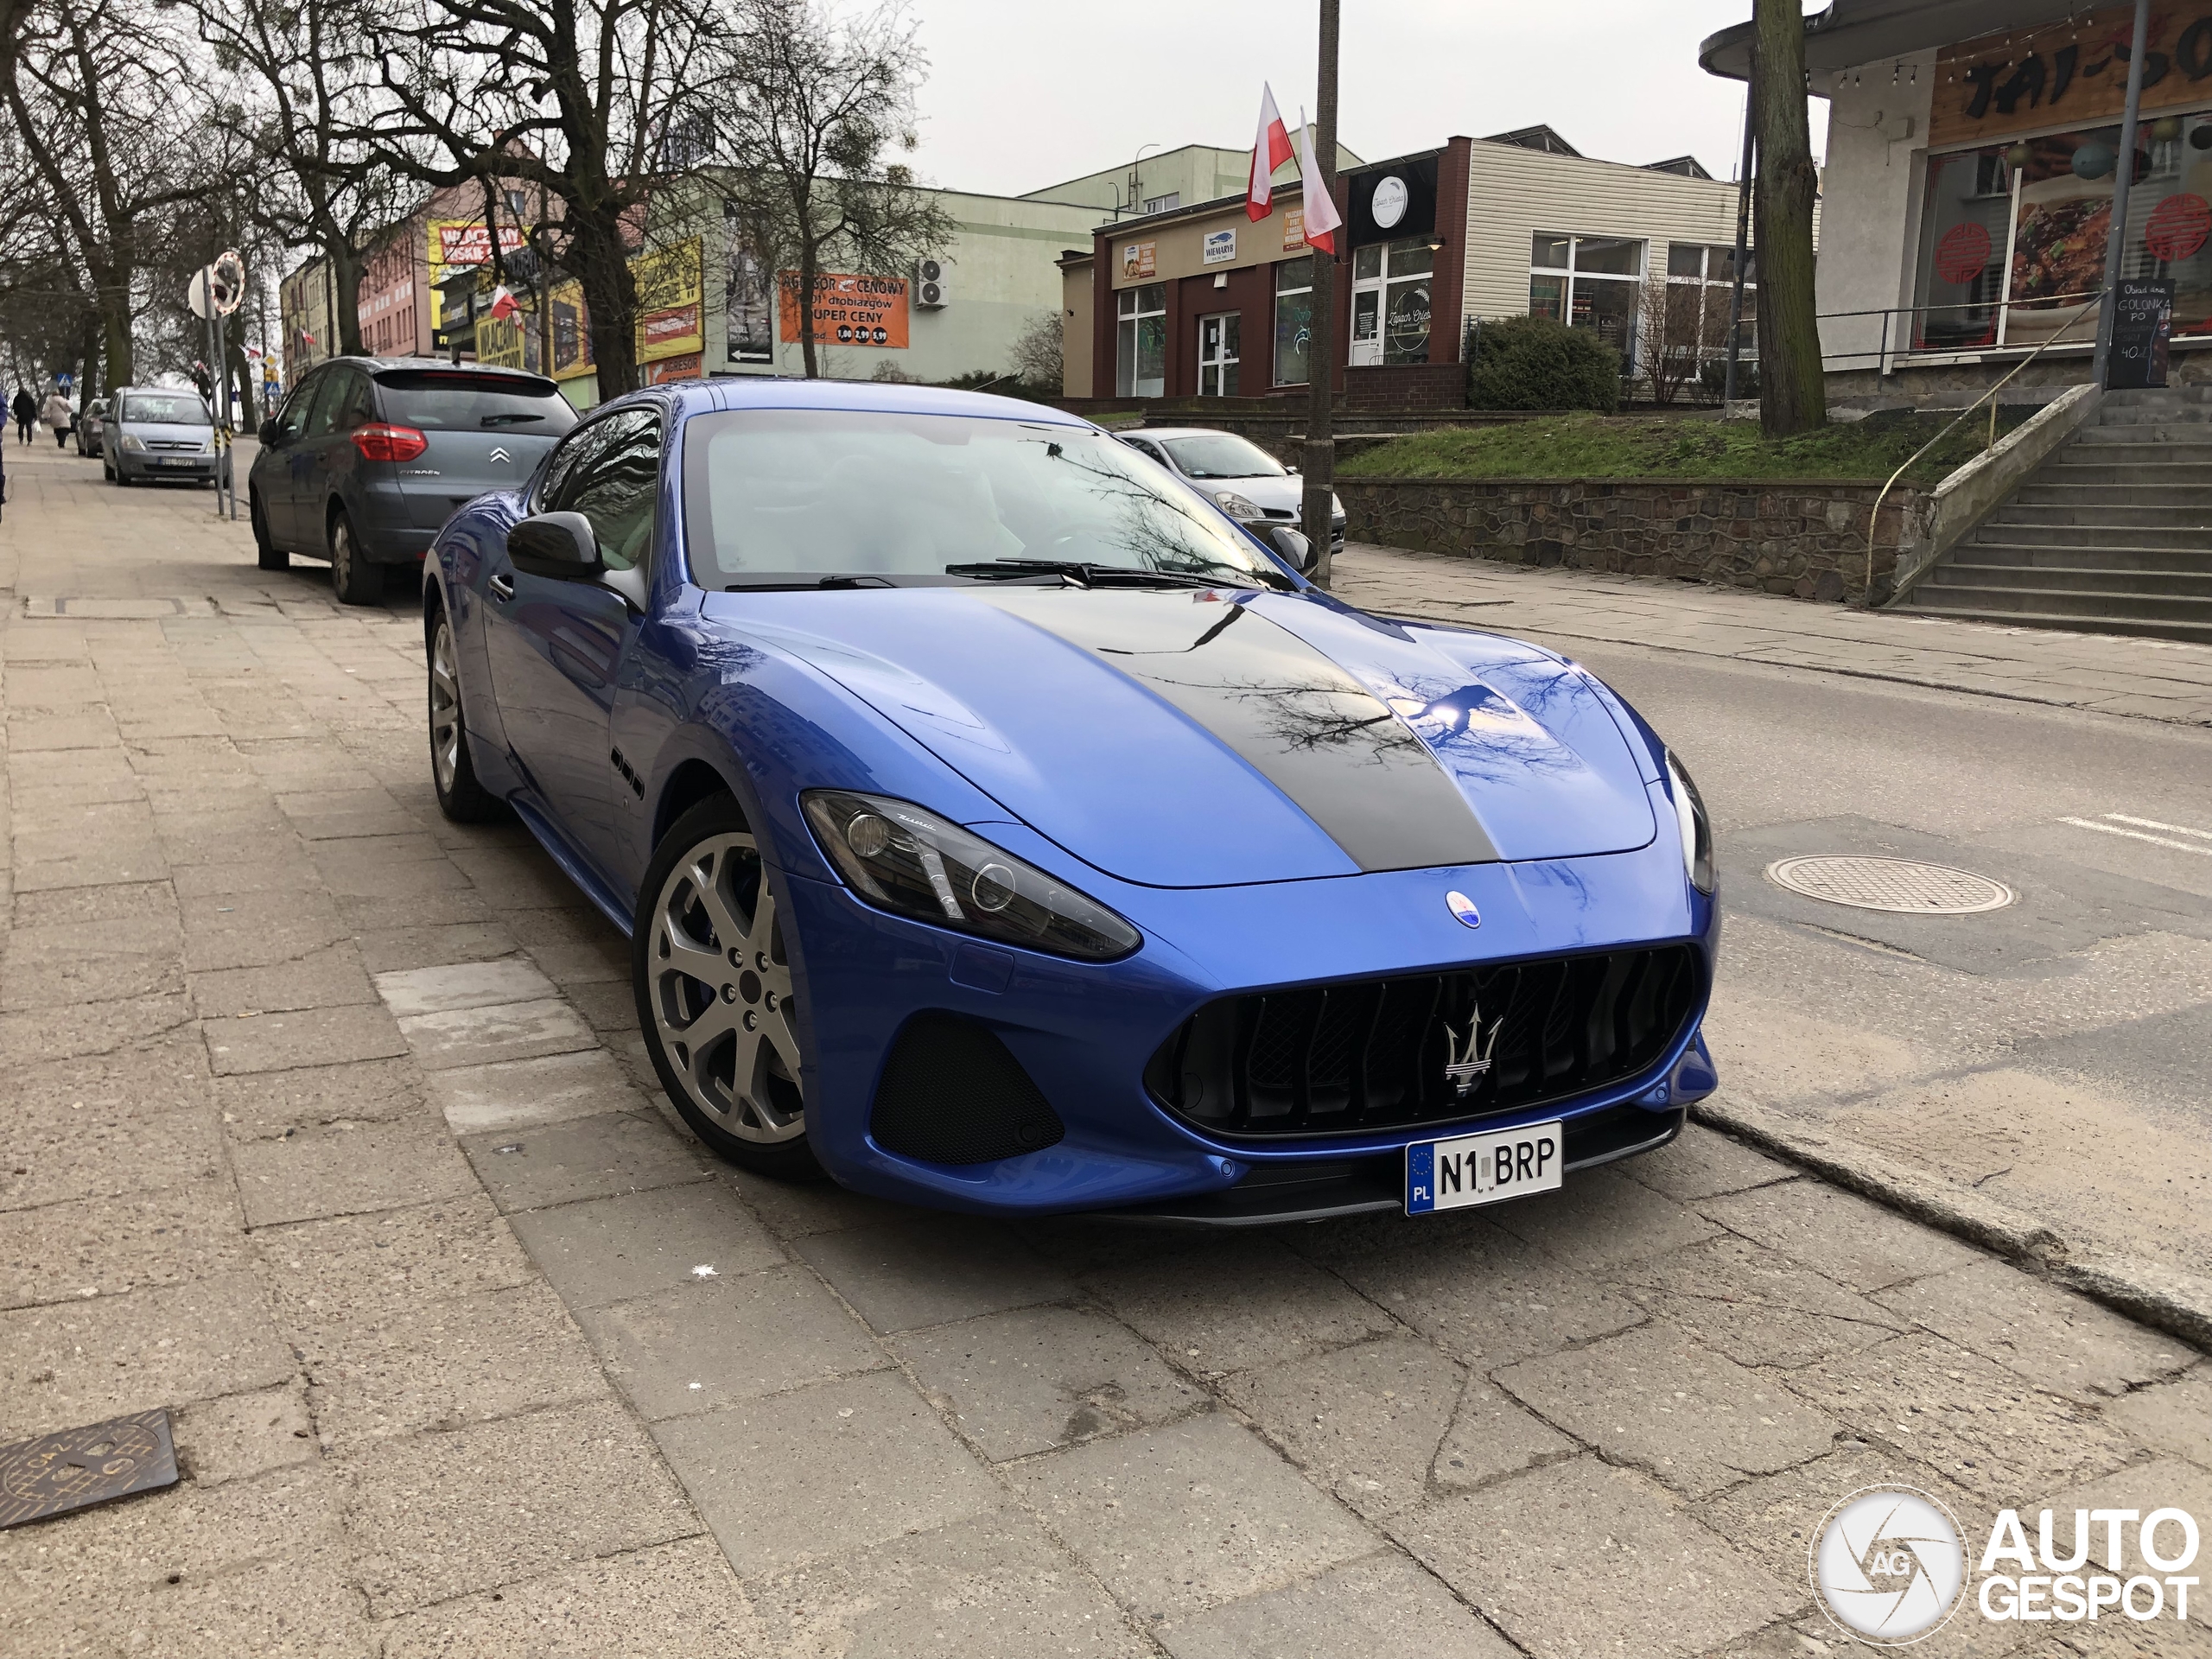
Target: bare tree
point(1793, 393)
point(311, 89)
point(1670, 334)
point(811, 107)
point(589, 105)
point(111, 111)
point(1038, 353)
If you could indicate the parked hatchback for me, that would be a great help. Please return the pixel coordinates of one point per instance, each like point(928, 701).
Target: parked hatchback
point(368, 457)
point(91, 423)
point(159, 433)
point(1239, 477)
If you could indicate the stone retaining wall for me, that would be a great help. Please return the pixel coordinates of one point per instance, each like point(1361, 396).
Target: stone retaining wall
point(1807, 538)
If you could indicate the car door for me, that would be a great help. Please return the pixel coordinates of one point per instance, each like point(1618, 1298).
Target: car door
point(303, 458)
point(271, 477)
point(556, 645)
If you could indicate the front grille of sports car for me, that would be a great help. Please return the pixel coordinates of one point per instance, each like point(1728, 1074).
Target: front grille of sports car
point(1377, 1054)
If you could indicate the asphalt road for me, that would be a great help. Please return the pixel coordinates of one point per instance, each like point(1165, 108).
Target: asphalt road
point(2054, 1053)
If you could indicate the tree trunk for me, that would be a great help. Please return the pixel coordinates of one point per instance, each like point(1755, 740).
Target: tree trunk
point(602, 268)
point(1793, 392)
point(346, 293)
point(810, 262)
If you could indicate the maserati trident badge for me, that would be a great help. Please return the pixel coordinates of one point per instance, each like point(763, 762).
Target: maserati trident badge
point(1464, 907)
point(1466, 1064)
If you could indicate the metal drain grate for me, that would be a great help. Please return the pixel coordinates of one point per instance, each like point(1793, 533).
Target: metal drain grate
point(1902, 885)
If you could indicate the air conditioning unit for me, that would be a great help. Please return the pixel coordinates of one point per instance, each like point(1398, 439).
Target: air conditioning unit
point(932, 290)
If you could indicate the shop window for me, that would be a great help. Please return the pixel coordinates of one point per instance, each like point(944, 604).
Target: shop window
point(2012, 236)
point(1409, 267)
point(1294, 320)
point(1700, 291)
point(1589, 281)
point(1141, 324)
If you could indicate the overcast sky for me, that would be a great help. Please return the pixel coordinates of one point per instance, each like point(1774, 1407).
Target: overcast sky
point(1023, 96)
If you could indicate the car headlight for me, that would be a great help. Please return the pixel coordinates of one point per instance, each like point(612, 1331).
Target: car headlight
point(911, 863)
point(132, 441)
point(1238, 506)
point(1697, 862)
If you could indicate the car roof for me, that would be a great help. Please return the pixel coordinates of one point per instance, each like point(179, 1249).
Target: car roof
point(1181, 432)
point(891, 398)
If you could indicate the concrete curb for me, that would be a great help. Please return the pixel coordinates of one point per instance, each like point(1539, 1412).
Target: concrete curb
point(2179, 1303)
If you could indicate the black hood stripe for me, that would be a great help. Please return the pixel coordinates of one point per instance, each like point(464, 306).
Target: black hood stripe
point(1297, 718)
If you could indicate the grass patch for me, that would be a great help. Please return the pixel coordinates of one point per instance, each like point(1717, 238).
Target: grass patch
point(1594, 446)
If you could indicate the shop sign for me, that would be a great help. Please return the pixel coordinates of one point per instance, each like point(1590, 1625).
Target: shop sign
point(1294, 230)
point(2069, 72)
point(2142, 328)
point(1139, 258)
point(849, 310)
point(1389, 205)
point(671, 300)
point(1221, 247)
point(689, 367)
point(465, 241)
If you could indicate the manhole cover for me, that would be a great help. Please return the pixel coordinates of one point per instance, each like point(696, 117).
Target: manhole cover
point(1903, 885)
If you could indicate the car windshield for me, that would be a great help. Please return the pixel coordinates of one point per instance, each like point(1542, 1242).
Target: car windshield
point(432, 400)
point(840, 493)
point(164, 409)
point(1222, 454)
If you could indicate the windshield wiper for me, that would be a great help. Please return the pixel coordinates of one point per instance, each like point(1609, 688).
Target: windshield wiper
point(1107, 576)
point(782, 587)
point(507, 420)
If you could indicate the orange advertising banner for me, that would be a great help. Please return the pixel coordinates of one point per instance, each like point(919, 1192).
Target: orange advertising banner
point(848, 310)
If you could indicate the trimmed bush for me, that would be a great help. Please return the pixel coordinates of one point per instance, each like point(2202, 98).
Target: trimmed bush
point(1713, 379)
point(1534, 363)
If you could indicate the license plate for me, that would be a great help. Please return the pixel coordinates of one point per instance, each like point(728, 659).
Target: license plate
point(1472, 1169)
point(171, 461)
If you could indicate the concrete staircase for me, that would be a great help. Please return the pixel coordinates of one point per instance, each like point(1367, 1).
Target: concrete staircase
point(2112, 534)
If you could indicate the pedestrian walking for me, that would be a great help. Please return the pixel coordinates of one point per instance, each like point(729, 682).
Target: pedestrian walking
point(25, 409)
point(59, 418)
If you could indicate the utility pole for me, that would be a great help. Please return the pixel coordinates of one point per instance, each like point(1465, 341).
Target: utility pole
point(2123, 186)
point(1321, 342)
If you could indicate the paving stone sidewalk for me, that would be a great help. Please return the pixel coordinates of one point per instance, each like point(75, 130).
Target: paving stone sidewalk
point(2154, 679)
point(326, 1125)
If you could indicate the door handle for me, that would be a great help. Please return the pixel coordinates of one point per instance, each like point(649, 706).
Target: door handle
point(502, 585)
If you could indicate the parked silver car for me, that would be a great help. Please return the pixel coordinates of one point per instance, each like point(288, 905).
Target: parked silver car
point(158, 432)
point(1237, 476)
point(370, 456)
point(92, 426)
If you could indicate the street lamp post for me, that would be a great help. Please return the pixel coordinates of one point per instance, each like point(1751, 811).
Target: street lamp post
point(2123, 186)
point(1321, 335)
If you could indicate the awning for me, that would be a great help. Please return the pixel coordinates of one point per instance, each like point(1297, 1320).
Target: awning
point(1851, 33)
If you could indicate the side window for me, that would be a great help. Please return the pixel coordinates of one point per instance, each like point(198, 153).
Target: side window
point(616, 487)
point(292, 419)
point(323, 410)
point(572, 452)
point(358, 402)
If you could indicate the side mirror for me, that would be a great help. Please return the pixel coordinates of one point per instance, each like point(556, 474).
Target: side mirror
point(557, 544)
point(1296, 550)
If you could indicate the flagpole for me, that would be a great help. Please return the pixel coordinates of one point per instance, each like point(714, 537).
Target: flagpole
point(1321, 348)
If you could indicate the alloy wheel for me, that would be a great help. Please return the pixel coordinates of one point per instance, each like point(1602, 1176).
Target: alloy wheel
point(445, 708)
point(720, 985)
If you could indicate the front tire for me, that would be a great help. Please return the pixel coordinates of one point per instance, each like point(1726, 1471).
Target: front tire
point(453, 769)
point(715, 1000)
point(353, 577)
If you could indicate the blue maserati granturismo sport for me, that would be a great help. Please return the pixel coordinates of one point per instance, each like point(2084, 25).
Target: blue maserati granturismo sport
point(1001, 827)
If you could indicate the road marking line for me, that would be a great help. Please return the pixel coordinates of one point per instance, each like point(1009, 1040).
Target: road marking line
point(2152, 823)
point(2137, 835)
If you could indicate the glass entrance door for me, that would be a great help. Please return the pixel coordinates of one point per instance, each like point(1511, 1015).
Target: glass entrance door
point(1218, 352)
point(1366, 306)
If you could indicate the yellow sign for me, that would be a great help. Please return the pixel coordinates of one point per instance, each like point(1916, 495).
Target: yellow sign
point(571, 332)
point(671, 301)
point(465, 241)
point(503, 342)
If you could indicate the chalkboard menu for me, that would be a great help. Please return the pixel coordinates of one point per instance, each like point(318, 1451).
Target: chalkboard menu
point(2143, 322)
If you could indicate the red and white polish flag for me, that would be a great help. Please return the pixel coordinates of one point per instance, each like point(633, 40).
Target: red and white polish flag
point(1270, 149)
point(1322, 219)
point(504, 303)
